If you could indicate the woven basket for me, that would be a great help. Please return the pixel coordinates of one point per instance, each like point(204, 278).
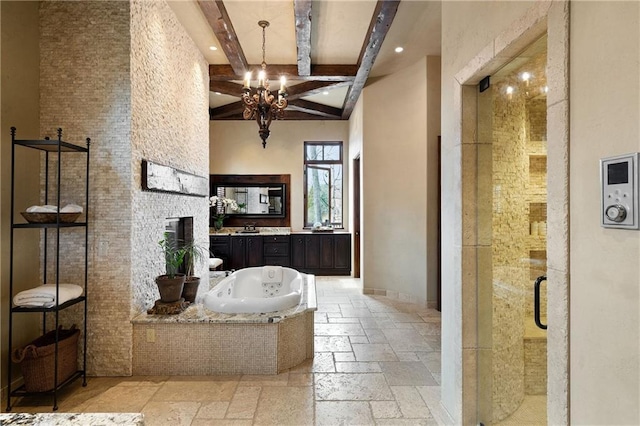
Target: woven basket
point(37, 359)
point(50, 217)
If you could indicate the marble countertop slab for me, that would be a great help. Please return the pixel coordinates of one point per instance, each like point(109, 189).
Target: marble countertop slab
point(197, 313)
point(80, 419)
point(272, 231)
point(262, 231)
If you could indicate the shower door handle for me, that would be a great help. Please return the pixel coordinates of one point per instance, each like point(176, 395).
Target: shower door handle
point(536, 301)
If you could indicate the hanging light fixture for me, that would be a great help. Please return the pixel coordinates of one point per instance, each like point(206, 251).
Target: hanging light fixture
point(260, 104)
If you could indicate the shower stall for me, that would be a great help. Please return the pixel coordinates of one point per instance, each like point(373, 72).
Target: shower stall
point(512, 217)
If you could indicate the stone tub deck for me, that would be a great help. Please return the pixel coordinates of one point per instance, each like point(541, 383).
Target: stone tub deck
point(199, 342)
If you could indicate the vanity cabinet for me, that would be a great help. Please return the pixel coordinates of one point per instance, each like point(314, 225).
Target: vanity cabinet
point(219, 246)
point(246, 252)
point(321, 254)
point(276, 250)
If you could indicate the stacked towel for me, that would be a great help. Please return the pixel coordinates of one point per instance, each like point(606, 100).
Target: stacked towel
point(272, 274)
point(49, 208)
point(44, 296)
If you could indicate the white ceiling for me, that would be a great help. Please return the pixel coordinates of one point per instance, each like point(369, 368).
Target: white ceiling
point(338, 31)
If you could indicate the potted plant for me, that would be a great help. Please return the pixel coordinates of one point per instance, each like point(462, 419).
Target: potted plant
point(194, 253)
point(220, 206)
point(171, 284)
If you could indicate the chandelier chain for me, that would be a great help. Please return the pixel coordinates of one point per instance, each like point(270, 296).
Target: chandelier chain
point(264, 50)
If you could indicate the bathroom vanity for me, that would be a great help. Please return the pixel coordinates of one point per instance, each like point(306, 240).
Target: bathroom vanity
point(308, 252)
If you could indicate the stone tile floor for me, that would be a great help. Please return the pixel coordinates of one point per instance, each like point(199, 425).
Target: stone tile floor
point(377, 361)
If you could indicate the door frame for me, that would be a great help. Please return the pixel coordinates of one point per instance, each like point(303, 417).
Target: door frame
point(356, 217)
point(551, 18)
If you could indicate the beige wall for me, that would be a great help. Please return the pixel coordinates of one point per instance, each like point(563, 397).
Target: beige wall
point(394, 156)
point(20, 108)
point(605, 323)
point(236, 148)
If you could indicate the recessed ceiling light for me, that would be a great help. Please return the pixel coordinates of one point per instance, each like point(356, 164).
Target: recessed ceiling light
point(326, 92)
point(525, 76)
point(213, 48)
point(399, 49)
point(509, 90)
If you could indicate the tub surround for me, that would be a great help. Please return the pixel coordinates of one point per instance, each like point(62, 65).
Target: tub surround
point(197, 313)
point(202, 342)
point(80, 419)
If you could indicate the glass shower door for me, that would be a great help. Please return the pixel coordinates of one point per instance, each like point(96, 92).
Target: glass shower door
point(512, 220)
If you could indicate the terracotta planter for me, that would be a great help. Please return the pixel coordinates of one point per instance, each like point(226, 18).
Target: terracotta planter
point(170, 288)
point(190, 289)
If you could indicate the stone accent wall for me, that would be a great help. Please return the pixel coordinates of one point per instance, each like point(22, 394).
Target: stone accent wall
point(535, 366)
point(85, 89)
point(127, 75)
point(169, 126)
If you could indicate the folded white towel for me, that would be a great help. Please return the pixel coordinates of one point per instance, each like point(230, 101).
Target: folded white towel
point(71, 208)
point(45, 295)
point(272, 274)
point(42, 209)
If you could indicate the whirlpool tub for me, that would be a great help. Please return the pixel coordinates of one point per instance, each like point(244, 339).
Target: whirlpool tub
point(256, 290)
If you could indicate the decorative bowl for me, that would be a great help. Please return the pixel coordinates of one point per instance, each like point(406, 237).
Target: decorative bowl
point(50, 217)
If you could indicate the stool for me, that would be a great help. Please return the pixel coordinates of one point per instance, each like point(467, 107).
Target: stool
point(214, 263)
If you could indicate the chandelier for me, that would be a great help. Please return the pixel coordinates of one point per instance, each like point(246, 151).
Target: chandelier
point(259, 103)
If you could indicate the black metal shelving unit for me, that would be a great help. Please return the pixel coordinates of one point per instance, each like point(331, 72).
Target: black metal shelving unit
point(52, 149)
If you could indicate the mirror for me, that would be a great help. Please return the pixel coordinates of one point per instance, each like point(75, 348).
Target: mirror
point(263, 199)
point(254, 200)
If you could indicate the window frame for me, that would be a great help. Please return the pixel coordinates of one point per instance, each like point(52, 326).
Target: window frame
point(318, 164)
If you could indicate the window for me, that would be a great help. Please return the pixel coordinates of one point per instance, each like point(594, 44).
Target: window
point(323, 183)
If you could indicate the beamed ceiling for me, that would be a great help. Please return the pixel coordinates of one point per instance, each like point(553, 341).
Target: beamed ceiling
point(327, 49)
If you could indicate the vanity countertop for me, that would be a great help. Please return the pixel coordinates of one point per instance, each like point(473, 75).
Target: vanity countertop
point(272, 231)
point(261, 231)
point(80, 419)
point(309, 231)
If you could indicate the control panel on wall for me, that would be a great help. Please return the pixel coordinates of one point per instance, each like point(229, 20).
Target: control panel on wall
point(619, 182)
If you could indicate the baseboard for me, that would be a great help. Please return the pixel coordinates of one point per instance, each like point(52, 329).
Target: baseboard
point(403, 297)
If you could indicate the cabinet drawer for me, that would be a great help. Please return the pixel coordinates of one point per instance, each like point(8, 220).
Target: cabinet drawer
point(276, 239)
point(277, 261)
point(222, 239)
point(276, 249)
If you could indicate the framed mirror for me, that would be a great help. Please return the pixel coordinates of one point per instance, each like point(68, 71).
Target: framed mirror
point(261, 199)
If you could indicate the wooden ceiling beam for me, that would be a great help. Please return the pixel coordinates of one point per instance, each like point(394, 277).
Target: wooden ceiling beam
point(315, 109)
point(226, 88)
point(318, 72)
point(302, 10)
point(309, 88)
point(289, 115)
point(218, 19)
point(381, 20)
point(234, 110)
point(224, 111)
